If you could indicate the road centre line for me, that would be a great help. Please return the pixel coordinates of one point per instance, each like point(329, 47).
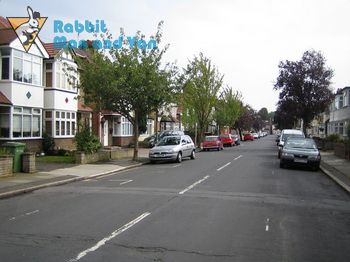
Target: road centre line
point(26, 214)
point(267, 225)
point(229, 163)
point(125, 182)
point(111, 236)
point(237, 157)
point(193, 185)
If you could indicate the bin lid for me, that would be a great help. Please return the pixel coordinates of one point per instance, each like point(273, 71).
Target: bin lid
point(14, 144)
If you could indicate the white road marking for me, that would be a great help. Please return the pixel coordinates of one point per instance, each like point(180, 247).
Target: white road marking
point(26, 214)
point(111, 236)
point(125, 182)
point(176, 166)
point(193, 185)
point(237, 157)
point(267, 225)
point(229, 163)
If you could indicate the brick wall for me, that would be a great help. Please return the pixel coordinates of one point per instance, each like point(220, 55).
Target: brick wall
point(122, 141)
point(65, 143)
point(6, 165)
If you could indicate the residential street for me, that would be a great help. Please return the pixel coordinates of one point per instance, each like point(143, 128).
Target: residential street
point(232, 205)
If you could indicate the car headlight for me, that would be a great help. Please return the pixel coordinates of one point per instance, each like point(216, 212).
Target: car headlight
point(287, 154)
point(315, 157)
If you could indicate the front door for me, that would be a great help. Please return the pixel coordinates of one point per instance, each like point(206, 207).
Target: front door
point(105, 133)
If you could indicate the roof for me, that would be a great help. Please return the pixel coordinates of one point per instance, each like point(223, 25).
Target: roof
point(52, 51)
point(4, 100)
point(110, 113)
point(4, 23)
point(83, 108)
point(7, 35)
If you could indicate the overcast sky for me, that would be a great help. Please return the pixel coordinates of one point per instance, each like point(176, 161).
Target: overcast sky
point(245, 39)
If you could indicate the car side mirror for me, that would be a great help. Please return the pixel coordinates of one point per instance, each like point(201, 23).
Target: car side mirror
point(319, 147)
point(277, 140)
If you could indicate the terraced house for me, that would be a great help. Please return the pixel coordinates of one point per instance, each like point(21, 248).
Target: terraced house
point(37, 97)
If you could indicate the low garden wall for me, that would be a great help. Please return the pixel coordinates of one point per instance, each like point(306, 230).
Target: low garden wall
point(342, 150)
point(6, 165)
point(103, 155)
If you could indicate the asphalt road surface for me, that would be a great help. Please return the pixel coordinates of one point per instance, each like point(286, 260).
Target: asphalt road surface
point(232, 205)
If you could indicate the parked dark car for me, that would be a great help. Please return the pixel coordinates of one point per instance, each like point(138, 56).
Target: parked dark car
point(300, 151)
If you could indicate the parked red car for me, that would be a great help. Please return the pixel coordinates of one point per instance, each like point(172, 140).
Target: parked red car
point(248, 137)
point(212, 142)
point(227, 140)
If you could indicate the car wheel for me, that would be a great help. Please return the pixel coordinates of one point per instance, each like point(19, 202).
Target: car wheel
point(315, 168)
point(152, 162)
point(193, 154)
point(179, 157)
point(279, 154)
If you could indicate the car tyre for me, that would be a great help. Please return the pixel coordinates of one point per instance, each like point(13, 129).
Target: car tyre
point(279, 154)
point(152, 161)
point(179, 157)
point(193, 155)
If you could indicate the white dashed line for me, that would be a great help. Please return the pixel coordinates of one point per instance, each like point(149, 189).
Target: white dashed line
point(26, 214)
point(229, 163)
point(111, 236)
point(193, 185)
point(267, 225)
point(237, 157)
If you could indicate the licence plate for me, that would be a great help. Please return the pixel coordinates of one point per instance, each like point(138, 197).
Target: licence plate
point(300, 160)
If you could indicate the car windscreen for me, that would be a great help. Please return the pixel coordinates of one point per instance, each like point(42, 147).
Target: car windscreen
point(286, 136)
point(211, 138)
point(169, 141)
point(300, 143)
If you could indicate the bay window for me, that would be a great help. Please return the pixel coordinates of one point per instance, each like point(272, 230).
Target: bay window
point(26, 122)
point(62, 123)
point(26, 68)
point(5, 121)
point(5, 64)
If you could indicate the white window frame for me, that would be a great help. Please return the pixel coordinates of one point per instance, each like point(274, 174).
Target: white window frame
point(32, 114)
point(126, 127)
point(26, 57)
point(62, 118)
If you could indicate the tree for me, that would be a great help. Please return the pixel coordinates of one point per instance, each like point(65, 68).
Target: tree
point(246, 119)
point(228, 108)
point(128, 80)
point(264, 114)
point(201, 84)
point(304, 86)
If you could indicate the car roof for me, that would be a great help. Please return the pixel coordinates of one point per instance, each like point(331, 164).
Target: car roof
point(292, 131)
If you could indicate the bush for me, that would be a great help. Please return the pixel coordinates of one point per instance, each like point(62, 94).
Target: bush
point(48, 143)
point(87, 142)
point(333, 138)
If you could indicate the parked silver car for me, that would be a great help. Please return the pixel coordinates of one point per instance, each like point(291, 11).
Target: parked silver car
point(300, 151)
point(173, 148)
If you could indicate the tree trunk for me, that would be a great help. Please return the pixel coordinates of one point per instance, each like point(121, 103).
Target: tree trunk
point(136, 137)
point(156, 127)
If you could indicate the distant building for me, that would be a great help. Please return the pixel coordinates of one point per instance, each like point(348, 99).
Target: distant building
point(339, 113)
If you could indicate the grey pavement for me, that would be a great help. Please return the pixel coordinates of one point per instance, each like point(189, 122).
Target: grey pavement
point(336, 168)
point(54, 174)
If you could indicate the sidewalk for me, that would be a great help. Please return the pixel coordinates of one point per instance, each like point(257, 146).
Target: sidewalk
point(50, 174)
point(336, 168)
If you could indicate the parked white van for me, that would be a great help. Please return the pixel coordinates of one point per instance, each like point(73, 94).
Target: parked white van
point(284, 135)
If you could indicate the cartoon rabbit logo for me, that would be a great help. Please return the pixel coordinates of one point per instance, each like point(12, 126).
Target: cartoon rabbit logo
point(27, 28)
